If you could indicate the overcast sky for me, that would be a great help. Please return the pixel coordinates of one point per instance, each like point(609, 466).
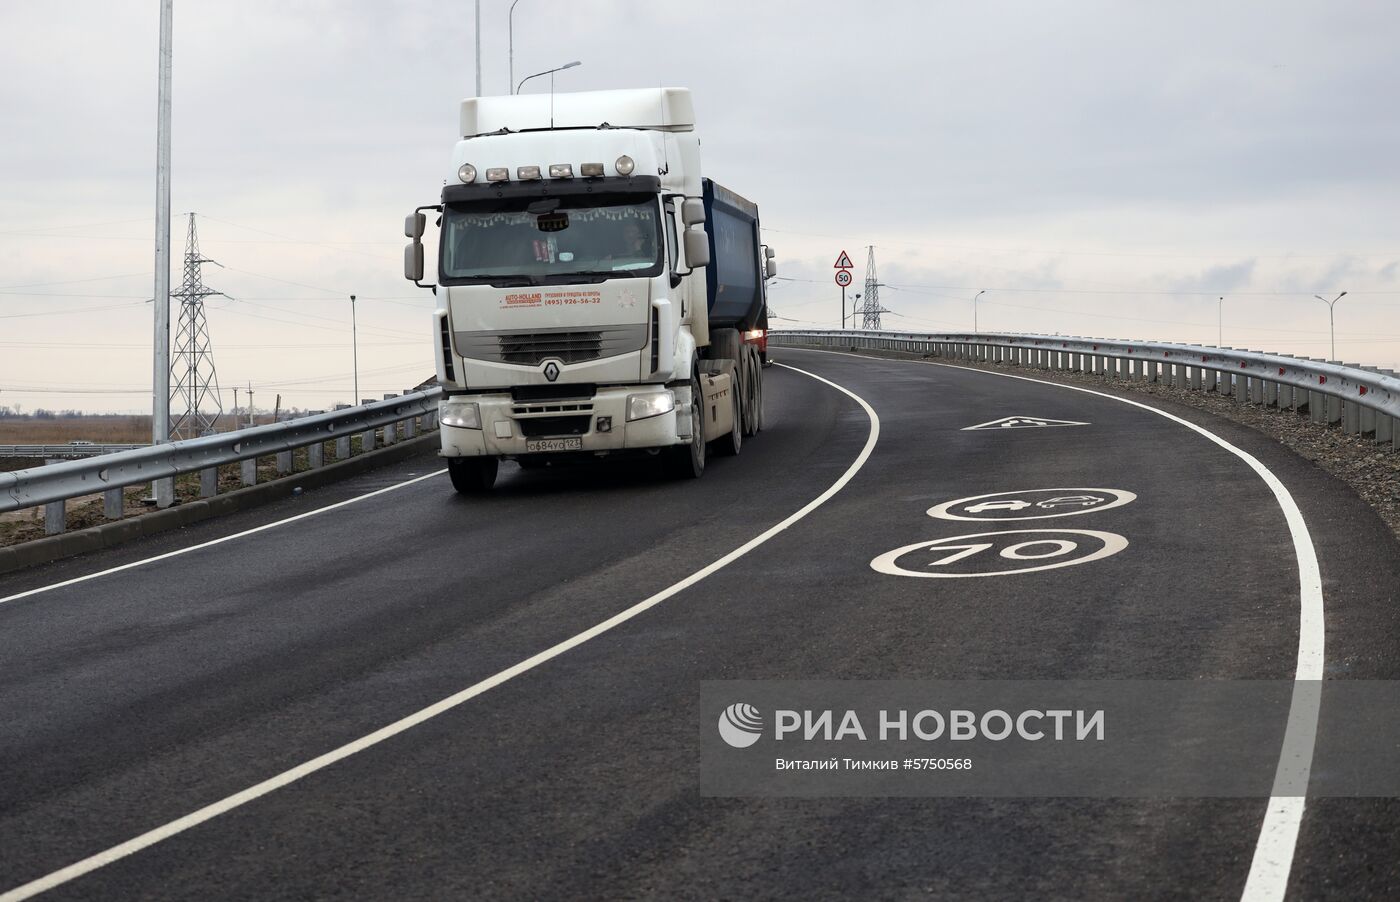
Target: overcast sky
point(1106, 169)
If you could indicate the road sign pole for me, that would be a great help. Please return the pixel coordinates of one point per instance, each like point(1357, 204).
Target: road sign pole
point(843, 306)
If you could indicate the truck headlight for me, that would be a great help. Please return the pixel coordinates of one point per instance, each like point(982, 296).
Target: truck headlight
point(462, 414)
point(651, 404)
point(624, 165)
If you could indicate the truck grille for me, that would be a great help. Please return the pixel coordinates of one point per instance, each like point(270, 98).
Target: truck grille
point(533, 349)
point(564, 345)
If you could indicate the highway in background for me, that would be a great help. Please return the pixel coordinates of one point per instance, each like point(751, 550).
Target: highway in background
point(133, 699)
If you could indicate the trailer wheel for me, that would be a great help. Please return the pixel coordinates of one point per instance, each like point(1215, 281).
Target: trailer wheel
point(730, 445)
point(688, 461)
point(758, 401)
point(472, 475)
point(751, 400)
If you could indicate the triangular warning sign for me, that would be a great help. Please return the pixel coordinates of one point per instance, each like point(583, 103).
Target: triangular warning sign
point(1023, 423)
point(843, 261)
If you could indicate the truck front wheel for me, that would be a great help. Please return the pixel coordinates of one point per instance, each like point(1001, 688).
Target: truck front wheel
point(688, 461)
point(472, 475)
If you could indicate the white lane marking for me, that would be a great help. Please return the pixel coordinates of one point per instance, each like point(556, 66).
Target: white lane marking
point(1278, 838)
point(212, 542)
point(208, 812)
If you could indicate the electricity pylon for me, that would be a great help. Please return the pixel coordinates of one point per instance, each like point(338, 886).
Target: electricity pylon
point(870, 306)
point(195, 405)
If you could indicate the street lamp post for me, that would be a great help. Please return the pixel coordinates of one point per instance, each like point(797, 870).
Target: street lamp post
point(550, 73)
point(1220, 323)
point(355, 351)
point(974, 309)
point(1331, 318)
point(510, 31)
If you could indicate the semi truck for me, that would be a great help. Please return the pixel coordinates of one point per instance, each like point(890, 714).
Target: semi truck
point(597, 294)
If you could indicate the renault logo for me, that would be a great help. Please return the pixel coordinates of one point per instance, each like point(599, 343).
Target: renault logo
point(551, 371)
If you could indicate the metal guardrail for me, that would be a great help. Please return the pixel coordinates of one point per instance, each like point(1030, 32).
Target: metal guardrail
point(1360, 399)
point(69, 449)
point(52, 485)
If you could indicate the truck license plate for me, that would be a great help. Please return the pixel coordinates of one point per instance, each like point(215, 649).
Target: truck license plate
point(554, 444)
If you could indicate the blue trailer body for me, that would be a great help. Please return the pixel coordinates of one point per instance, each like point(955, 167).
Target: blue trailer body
point(735, 274)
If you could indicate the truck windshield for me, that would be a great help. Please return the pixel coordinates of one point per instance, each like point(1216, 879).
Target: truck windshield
point(551, 240)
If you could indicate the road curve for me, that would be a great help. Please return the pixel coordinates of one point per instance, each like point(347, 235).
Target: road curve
point(133, 699)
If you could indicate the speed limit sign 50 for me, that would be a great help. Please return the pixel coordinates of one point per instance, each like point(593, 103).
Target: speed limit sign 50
point(843, 278)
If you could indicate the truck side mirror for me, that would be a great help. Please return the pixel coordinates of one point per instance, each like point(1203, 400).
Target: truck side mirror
point(413, 259)
point(697, 248)
point(770, 267)
point(768, 252)
point(692, 211)
point(413, 225)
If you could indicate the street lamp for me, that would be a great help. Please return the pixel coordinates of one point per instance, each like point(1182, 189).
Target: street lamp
point(1331, 318)
point(510, 30)
point(355, 351)
point(550, 73)
point(974, 309)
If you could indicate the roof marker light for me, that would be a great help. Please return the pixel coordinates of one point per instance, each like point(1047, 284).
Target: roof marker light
point(498, 174)
point(591, 170)
point(561, 170)
point(527, 172)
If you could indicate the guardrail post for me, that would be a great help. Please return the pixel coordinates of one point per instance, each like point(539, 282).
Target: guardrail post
point(1241, 387)
point(113, 504)
point(1334, 409)
point(1385, 429)
point(342, 447)
point(410, 427)
point(208, 482)
point(164, 490)
point(1368, 416)
point(284, 463)
point(248, 470)
point(55, 512)
point(367, 441)
point(315, 455)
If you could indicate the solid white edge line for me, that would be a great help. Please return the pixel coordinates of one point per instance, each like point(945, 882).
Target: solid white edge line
point(208, 812)
point(212, 542)
point(1278, 837)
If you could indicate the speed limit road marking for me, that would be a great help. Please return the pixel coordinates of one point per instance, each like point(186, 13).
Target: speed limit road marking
point(999, 553)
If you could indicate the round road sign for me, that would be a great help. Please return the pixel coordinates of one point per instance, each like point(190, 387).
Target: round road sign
point(843, 278)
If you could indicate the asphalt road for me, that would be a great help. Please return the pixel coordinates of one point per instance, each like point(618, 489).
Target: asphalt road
point(133, 699)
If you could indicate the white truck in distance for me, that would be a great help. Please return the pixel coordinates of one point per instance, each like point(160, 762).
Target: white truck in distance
point(597, 294)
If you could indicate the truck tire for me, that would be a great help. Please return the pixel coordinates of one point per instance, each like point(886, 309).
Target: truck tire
point(730, 445)
point(758, 401)
point(751, 380)
point(688, 461)
point(472, 475)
